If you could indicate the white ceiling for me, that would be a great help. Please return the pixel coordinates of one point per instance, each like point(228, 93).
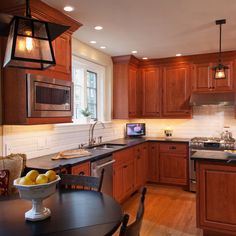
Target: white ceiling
point(155, 28)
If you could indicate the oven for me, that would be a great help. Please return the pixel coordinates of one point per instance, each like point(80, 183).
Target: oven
point(49, 97)
point(205, 143)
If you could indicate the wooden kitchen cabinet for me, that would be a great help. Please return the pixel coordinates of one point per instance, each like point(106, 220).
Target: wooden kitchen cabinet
point(81, 169)
point(140, 165)
point(216, 197)
point(153, 162)
point(173, 163)
point(62, 52)
point(123, 174)
point(14, 80)
point(151, 92)
point(125, 76)
point(176, 91)
point(203, 78)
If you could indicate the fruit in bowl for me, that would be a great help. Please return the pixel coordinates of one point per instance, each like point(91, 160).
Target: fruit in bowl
point(36, 187)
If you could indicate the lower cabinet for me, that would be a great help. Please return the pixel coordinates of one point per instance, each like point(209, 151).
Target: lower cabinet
point(216, 198)
point(153, 162)
point(141, 162)
point(173, 163)
point(123, 174)
point(82, 169)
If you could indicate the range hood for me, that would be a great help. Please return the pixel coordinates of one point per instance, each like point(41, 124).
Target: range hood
point(200, 99)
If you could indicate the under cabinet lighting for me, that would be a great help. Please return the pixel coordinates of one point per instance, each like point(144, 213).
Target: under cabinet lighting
point(68, 8)
point(93, 42)
point(98, 27)
point(145, 58)
point(102, 47)
point(134, 52)
point(178, 55)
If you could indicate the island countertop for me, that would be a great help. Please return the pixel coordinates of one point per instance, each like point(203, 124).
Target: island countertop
point(209, 155)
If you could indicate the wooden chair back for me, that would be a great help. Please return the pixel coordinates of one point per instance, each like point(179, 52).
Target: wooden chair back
point(134, 228)
point(81, 181)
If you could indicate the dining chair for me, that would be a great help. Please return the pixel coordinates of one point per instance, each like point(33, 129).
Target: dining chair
point(81, 181)
point(134, 228)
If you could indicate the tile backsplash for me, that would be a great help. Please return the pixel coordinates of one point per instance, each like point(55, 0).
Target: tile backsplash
point(45, 139)
point(207, 121)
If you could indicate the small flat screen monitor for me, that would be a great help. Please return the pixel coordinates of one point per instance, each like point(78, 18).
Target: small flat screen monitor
point(135, 129)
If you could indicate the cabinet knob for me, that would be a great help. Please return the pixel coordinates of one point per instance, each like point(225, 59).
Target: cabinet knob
point(125, 166)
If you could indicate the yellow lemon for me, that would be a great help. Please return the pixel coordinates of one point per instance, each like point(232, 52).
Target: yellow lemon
point(42, 179)
point(26, 181)
point(51, 174)
point(33, 174)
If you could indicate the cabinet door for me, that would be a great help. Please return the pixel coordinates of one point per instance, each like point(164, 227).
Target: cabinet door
point(202, 77)
point(128, 177)
point(173, 168)
point(151, 90)
point(153, 162)
point(225, 84)
point(176, 91)
point(118, 187)
point(216, 197)
point(132, 90)
point(62, 50)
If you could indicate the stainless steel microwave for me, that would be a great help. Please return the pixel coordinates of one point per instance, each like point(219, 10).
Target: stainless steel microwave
point(49, 97)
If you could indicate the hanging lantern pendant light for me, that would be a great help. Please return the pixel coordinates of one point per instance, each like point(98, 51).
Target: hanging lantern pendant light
point(29, 44)
point(220, 69)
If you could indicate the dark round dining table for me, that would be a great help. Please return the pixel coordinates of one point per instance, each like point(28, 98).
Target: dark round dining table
point(73, 212)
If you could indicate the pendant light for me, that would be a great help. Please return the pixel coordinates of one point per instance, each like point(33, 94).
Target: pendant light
point(220, 68)
point(29, 44)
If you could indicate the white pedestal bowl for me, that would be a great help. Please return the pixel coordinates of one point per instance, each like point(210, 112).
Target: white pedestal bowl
point(37, 193)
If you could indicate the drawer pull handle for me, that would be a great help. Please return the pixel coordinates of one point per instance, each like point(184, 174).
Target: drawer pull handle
point(172, 148)
point(125, 166)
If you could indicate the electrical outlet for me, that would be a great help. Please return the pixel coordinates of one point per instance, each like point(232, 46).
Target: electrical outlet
point(41, 143)
point(8, 149)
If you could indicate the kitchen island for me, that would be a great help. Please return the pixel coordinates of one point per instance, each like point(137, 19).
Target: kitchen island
point(216, 193)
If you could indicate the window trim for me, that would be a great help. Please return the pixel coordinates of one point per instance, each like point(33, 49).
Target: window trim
point(100, 70)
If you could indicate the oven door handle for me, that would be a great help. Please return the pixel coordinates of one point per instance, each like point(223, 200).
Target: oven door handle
point(105, 164)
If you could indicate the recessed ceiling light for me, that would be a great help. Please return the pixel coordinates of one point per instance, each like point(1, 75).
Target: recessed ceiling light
point(102, 47)
point(145, 58)
point(68, 8)
point(93, 42)
point(178, 54)
point(98, 27)
point(134, 52)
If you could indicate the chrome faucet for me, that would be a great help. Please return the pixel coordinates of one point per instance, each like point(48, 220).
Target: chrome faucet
point(91, 131)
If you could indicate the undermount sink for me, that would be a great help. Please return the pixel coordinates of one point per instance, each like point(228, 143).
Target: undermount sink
point(107, 146)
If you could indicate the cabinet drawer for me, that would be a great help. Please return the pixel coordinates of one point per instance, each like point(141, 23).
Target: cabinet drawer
point(83, 169)
point(123, 156)
point(174, 147)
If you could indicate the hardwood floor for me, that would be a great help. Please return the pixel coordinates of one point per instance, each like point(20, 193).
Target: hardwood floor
point(169, 211)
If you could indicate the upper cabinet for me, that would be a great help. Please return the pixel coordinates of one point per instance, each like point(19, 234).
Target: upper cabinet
point(62, 51)
point(176, 91)
point(125, 82)
point(151, 92)
point(203, 78)
point(14, 88)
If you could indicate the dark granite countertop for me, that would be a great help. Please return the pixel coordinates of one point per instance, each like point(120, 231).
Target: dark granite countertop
point(208, 155)
point(46, 163)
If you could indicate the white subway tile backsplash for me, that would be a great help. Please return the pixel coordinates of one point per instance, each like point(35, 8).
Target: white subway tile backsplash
point(46, 139)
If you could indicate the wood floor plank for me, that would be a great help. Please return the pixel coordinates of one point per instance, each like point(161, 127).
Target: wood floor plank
point(169, 211)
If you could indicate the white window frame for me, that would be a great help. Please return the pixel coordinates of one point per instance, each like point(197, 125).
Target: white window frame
point(100, 71)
